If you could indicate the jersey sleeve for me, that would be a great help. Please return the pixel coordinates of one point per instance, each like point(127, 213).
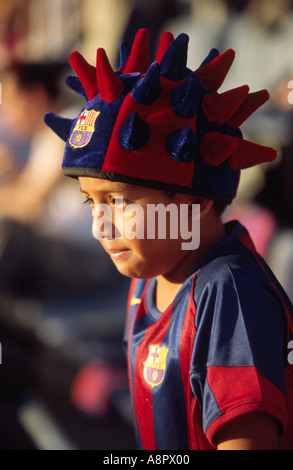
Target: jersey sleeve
point(238, 357)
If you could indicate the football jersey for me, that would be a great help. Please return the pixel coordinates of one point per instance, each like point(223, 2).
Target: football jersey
point(220, 350)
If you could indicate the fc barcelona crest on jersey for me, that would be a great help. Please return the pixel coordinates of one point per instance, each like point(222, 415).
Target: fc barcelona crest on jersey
point(155, 365)
point(84, 128)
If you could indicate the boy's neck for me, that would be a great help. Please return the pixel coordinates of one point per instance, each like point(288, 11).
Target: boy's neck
point(168, 285)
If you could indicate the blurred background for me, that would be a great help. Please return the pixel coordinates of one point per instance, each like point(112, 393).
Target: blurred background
point(62, 302)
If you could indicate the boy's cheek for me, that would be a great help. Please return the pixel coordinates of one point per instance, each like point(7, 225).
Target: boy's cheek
point(102, 223)
point(133, 223)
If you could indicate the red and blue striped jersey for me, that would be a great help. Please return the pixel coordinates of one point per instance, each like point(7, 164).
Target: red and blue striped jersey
point(218, 351)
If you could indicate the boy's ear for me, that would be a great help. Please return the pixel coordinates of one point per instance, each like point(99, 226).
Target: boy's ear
point(205, 203)
point(205, 206)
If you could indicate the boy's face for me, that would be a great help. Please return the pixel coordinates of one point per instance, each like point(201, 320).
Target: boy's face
point(144, 255)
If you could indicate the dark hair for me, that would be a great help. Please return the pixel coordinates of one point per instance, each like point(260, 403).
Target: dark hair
point(220, 207)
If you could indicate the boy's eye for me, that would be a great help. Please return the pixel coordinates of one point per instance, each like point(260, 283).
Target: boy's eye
point(88, 200)
point(118, 201)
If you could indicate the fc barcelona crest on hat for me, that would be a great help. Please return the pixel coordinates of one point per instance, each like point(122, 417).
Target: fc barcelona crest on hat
point(155, 365)
point(84, 128)
point(163, 125)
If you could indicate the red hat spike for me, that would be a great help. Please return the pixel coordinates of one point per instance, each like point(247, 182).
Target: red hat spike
point(110, 87)
point(250, 154)
point(139, 60)
point(166, 39)
point(214, 72)
point(215, 148)
point(85, 72)
point(252, 102)
point(219, 108)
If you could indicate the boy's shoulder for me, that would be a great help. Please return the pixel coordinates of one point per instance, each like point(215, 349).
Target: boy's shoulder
point(234, 261)
point(234, 254)
point(236, 278)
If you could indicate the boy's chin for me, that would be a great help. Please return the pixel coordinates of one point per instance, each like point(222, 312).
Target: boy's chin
point(133, 271)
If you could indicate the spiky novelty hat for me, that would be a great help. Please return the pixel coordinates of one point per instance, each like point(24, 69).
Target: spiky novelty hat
point(160, 124)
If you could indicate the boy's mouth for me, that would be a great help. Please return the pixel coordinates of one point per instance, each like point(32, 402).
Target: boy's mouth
point(118, 253)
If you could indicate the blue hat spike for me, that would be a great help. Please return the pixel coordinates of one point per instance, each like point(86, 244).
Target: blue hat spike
point(211, 55)
point(182, 145)
point(134, 133)
point(60, 125)
point(148, 89)
point(125, 49)
point(184, 99)
point(173, 63)
point(74, 84)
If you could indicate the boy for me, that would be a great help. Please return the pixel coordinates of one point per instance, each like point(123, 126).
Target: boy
point(208, 328)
